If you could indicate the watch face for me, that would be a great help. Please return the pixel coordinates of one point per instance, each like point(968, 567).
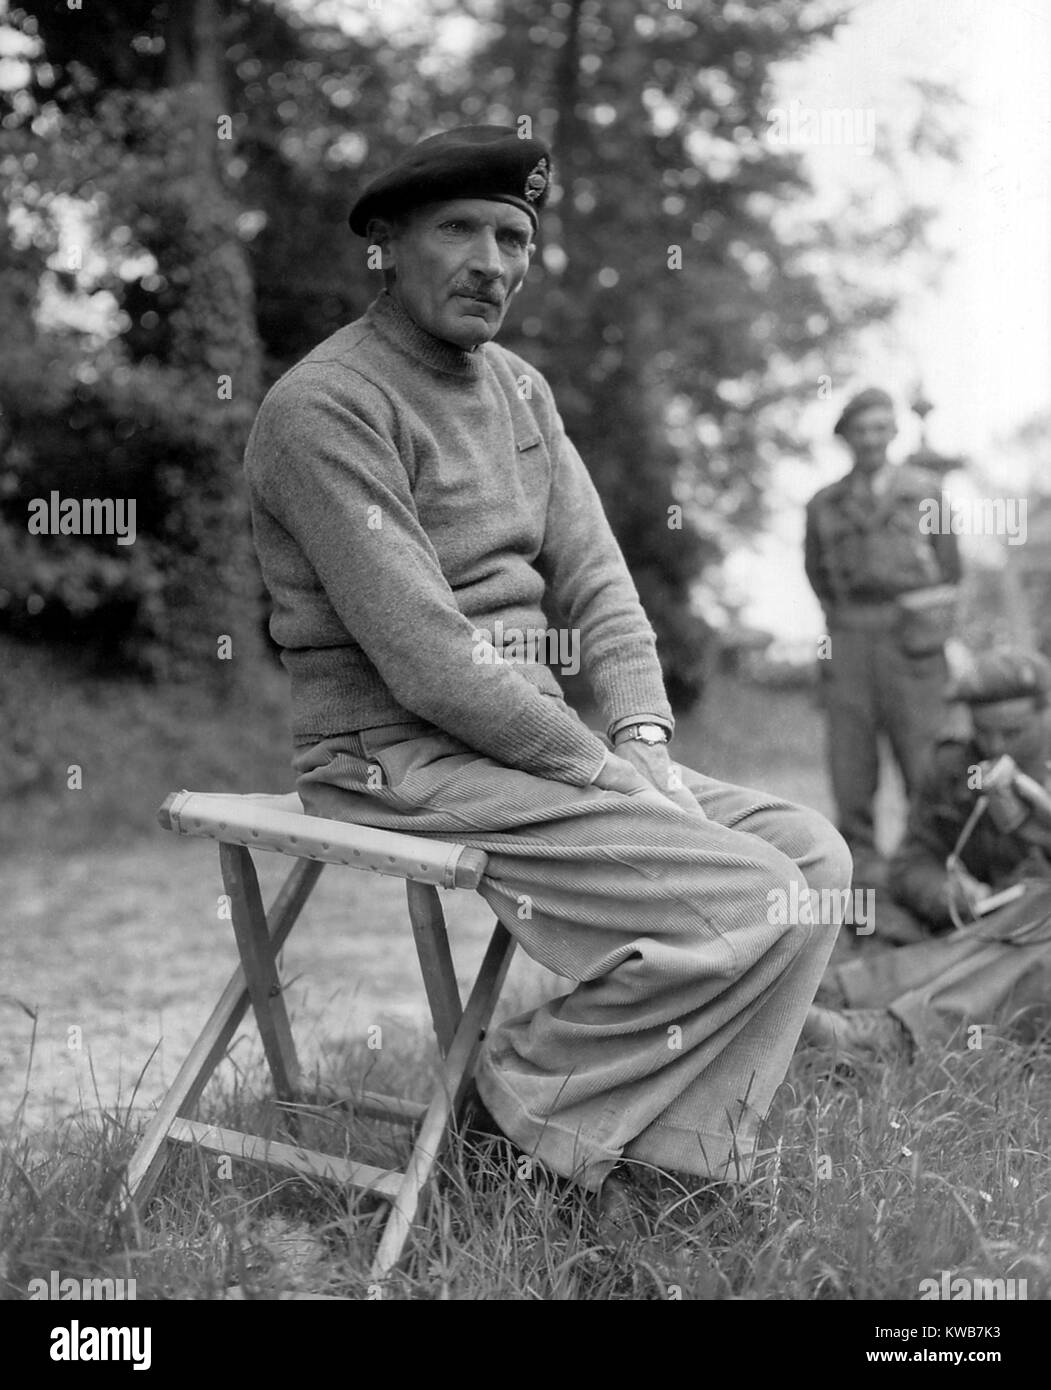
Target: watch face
point(652, 733)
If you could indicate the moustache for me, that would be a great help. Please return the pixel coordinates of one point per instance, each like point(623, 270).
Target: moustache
point(474, 293)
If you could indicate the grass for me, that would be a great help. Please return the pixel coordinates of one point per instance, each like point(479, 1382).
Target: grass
point(876, 1179)
point(134, 743)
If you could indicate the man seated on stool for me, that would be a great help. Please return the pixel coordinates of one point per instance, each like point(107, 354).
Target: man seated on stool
point(979, 832)
point(414, 497)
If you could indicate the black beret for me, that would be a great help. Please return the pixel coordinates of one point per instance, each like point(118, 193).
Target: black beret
point(1004, 674)
point(864, 400)
point(481, 161)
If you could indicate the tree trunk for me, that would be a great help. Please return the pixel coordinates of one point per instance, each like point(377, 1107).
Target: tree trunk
point(213, 586)
point(570, 135)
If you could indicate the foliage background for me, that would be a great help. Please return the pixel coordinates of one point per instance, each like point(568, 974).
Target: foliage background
point(144, 257)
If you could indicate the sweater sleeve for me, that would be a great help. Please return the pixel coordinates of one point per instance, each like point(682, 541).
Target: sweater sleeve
point(327, 469)
point(587, 575)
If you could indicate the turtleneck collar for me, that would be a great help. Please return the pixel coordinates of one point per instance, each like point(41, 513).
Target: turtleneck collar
point(405, 333)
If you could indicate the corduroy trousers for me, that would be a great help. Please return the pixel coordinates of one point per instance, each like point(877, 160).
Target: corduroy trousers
point(996, 972)
point(692, 986)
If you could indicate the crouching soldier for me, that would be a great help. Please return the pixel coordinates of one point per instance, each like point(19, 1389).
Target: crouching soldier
point(974, 871)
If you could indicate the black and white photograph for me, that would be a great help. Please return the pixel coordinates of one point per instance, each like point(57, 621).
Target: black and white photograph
point(525, 668)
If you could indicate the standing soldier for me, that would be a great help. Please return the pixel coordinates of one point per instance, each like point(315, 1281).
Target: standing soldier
point(888, 589)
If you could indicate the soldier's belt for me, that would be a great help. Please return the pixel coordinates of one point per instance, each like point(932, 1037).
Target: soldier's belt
point(869, 616)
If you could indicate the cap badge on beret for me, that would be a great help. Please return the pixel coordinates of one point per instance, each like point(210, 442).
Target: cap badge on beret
point(537, 179)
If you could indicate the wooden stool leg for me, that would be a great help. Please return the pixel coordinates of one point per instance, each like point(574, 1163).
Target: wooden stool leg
point(260, 967)
point(456, 1073)
point(436, 962)
point(210, 1048)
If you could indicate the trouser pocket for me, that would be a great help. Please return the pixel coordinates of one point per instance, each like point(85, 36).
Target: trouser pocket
point(403, 759)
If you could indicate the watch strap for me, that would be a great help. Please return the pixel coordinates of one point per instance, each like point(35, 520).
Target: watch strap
point(629, 732)
point(630, 720)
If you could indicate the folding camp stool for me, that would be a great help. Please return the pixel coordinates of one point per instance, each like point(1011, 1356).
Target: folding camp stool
point(278, 823)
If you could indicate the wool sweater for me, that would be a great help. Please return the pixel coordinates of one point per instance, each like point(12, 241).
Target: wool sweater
point(406, 495)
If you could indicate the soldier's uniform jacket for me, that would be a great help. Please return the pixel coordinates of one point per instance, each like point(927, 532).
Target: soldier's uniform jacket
point(936, 817)
point(861, 548)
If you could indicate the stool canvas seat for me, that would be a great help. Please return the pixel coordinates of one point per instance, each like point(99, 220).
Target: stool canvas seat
point(242, 824)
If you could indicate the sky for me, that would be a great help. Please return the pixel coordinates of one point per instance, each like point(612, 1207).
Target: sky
point(984, 342)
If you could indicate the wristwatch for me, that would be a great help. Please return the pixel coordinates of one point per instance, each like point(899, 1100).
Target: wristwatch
point(645, 733)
